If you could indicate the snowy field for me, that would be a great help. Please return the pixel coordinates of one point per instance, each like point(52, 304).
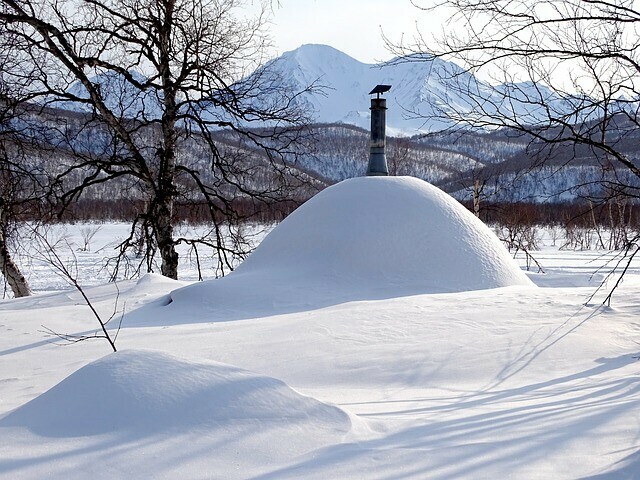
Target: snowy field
point(88, 251)
point(319, 366)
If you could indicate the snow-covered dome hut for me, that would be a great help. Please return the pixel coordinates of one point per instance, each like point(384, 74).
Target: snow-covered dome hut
point(364, 238)
point(387, 231)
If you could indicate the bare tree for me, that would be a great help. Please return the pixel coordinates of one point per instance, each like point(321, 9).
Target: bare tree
point(9, 183)
point(155, 80)
point(399, 156)
point(49, 253)
point(87, 233)
point(12, 274)
point(20, 182)
point(564, 73)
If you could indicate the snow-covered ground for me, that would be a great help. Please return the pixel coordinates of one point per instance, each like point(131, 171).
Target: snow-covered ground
point(524, 381)
point(89, 250)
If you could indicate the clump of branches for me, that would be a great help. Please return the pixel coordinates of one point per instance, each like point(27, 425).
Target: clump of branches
point(48, 252)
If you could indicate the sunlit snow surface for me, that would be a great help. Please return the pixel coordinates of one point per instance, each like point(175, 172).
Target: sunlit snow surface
point(511, 382)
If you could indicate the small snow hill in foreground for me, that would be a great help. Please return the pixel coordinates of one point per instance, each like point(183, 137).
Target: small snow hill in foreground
point(361, 239)
point(142, 392)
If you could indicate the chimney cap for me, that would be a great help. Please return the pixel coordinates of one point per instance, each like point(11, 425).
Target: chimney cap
point(380, 89)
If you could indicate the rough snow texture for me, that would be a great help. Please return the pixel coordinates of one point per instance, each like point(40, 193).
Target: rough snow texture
point(364, 238)
point(146, 391)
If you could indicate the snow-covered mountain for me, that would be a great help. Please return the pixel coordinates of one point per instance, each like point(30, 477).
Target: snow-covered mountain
point(345, 83)
point(421, 87)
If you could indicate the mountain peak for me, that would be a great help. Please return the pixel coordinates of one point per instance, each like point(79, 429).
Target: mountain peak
point(319, 53)
point(346, 83)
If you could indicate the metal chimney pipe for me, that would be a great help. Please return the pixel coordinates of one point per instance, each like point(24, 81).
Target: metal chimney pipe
point(377, 157)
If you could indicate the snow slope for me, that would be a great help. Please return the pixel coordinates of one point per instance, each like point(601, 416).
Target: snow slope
point(147, 403)
point(386, 231)
point(146, 391)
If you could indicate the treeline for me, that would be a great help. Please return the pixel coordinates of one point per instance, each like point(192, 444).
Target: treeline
point(580, 214)
point(579, 225)
point(194, 212)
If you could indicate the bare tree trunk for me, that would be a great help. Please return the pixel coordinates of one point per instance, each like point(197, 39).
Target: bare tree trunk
point(166, 180)
point(18, 284)
point(596, 227)
point(476, 198)
point(164, 237)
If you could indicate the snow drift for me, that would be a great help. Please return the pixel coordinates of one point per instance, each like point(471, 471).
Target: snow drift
point(147, 391)
point(362, 239)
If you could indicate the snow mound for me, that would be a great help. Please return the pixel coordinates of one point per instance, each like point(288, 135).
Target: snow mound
point(146, 391)
point(393, 230)
point(367, 238)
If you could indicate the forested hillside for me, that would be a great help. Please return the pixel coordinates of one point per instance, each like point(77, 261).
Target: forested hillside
point(510, 168)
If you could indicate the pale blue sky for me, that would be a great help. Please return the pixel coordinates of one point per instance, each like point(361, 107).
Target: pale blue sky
point(352, 26)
